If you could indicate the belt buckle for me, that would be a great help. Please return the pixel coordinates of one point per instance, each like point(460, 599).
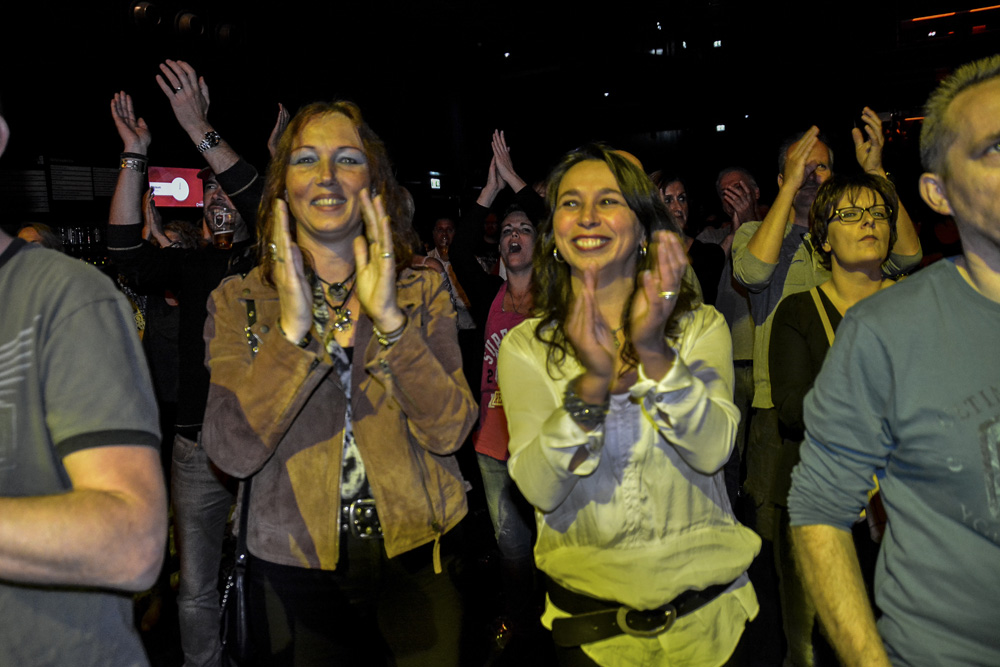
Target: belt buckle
point(362, 519)
point(626, 616)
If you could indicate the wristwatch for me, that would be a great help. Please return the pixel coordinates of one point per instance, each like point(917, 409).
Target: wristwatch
point(210, 141)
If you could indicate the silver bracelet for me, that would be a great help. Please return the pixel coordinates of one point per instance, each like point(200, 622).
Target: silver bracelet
point(588, 415)
point(133, 164)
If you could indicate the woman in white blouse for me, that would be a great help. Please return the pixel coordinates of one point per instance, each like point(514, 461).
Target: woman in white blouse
point(619, 404)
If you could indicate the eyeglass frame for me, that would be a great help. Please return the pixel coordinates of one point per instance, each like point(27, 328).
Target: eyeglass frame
point(861, 216)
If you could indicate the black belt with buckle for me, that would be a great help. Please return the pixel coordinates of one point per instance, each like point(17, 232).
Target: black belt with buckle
point(595, 619)
point(360, 519)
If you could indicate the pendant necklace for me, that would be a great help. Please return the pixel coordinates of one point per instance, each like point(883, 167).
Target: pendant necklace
point(341, 315)
point(517, 308)
point(614, 336)
point(339, 291)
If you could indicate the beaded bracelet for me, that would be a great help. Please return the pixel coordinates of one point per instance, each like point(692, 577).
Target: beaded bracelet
point(387, 339)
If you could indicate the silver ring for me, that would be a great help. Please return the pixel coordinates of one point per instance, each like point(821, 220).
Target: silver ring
point(178, 89)
point(386, 255)
point(668, 295)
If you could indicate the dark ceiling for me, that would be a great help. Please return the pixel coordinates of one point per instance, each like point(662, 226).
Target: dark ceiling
point(435, 78)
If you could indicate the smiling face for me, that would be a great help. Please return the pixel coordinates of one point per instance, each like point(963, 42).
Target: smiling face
point(517, 241)
point(327, 170)
point(861, 244)
point(676, 199)
point(593, 224)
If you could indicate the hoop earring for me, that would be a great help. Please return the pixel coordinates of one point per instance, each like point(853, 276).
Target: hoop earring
point(555, 253)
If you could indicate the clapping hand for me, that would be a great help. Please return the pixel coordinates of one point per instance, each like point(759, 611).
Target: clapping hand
point(278, 130)
point(869, 150)
point(655, 300)
point(375, 263)
point(133, 131)
point(188, 95)
point(294, 291)
point(505, 167)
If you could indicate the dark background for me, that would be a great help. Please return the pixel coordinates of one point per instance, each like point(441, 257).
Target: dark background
point(434, 79)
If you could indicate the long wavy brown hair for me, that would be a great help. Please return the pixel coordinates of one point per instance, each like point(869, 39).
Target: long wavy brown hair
point(383, 182)
point(551, 285)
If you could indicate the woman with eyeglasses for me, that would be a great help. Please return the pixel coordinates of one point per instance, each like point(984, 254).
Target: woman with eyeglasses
point(853, 227)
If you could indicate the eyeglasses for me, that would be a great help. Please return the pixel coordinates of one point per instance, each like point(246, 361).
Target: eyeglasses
point(853, 214)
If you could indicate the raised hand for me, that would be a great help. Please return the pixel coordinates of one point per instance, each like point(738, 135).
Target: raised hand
point(494, 184)
point(795, 172)
point(188, 95)
point(592, 338)
point(869, 150)
point(375, 264)
point(152, 223)
point(505, 167)
point(655, 300)
point(279, 129)
point(294, 291)
point(133, 131)
point(741, 200)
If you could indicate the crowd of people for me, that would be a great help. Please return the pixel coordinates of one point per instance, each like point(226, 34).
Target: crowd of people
point(679, 464)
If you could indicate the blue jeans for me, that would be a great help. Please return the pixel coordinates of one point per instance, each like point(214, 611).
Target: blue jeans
point(512, 515)
point(201, 504)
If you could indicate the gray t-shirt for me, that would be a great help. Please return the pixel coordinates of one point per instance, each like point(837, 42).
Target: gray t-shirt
point(72, 376)
point(911, 388)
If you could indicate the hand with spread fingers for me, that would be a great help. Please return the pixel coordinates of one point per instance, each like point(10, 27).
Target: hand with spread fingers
point(294, 291)
point(375, 263)
point(655, 300)
point(188, 95)
point(133, 131)
point(868, 145)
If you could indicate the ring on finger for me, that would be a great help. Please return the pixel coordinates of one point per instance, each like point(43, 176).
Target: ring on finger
point(178, 89)
point(386, 255)
point(667, 294)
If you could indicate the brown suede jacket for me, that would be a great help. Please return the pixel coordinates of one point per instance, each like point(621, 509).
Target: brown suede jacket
point(279, 416)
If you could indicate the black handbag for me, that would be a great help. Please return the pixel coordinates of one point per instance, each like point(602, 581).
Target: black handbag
point(235, 614)
point(234, 625)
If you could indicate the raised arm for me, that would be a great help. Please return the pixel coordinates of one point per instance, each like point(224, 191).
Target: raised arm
point(132, 179)
point(766, 241)
point(188, 96)
point(868, 147)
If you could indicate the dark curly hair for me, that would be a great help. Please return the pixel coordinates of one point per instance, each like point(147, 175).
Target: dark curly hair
point(847, 185)
point(551, 285)
point(383, 182)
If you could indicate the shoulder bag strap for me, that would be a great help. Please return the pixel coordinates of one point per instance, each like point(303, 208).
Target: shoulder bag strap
point(824, 318)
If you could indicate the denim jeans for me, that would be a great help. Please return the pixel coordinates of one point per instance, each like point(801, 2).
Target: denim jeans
point(201, 504)
point(512, 515)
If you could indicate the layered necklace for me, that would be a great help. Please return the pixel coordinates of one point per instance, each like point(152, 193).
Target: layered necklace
point(325, 298)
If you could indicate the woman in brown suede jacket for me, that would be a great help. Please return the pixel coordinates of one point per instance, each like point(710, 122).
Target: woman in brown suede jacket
point(337, 386)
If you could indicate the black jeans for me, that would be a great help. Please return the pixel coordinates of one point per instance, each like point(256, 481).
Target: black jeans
point(366, 610)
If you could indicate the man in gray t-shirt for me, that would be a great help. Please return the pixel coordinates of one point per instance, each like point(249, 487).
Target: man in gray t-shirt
point(910, 391)
point(82, 500)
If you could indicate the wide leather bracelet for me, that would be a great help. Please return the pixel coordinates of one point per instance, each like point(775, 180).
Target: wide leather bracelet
point(588, 415)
